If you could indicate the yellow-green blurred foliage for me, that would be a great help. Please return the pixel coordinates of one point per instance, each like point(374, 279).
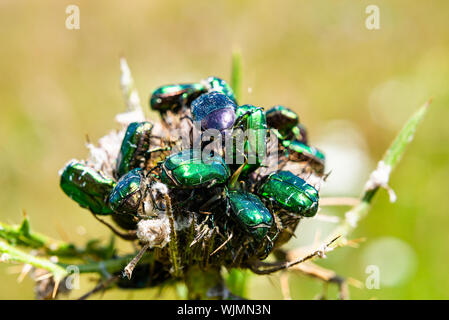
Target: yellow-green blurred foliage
point(317, 57)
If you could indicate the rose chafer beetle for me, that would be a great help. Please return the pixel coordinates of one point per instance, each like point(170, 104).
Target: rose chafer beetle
point(88, 187)
point(282, 119)
point(174, 96)
point(214, 110)
point(187, 169)
point(290, 193)
point(134, 150)
point(299, 151)
point(250, 213)
point(253, 122)
point(127, 196)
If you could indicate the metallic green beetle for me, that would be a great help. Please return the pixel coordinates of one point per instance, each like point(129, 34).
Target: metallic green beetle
point(300, 151)
point(133, 150)
point(127, 195)
point(174, 96)
point(282, 119)
point(186, 169)
point(250, 213)
point(291, 193)
point(254, 124)
point(88, 187)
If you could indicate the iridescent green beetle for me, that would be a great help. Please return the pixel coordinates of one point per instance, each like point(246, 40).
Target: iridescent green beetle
point(253, 122)
point(282, 119)
point(134, 150)
point(299, 151)
point(127, 195)
point(134, 146)
point(250, 213)
point(88, 187)
point(187, 169)
point(174, 96)
point(290, 193)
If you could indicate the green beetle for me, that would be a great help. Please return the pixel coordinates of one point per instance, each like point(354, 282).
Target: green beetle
point(282, 119)
point(250, 213)
point(134, 150)
point(187, 169)
point(174, 96)
point(254, 123)
point(134, 146)
point(88, 187)
point(300, 151)
point(291, 193)
point(127, 195)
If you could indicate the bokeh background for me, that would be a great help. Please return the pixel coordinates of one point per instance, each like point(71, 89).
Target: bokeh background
point(353, 89)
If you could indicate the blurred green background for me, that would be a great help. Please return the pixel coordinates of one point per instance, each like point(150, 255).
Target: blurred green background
point(353, 88)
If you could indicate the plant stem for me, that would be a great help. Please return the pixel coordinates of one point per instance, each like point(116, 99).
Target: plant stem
point(111, 265)
point(236, 74)
point(12, 254)
point(21, 235)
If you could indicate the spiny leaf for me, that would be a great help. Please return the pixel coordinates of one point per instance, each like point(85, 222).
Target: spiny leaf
point(405, 136)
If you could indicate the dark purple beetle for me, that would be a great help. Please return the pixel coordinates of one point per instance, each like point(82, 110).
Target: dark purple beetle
point(215, 111)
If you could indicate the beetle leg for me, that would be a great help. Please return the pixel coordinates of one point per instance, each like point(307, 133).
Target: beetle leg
point(130, 235)
point(211, 200)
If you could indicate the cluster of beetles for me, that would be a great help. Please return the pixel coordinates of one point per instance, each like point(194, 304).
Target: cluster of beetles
point(237, 197)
